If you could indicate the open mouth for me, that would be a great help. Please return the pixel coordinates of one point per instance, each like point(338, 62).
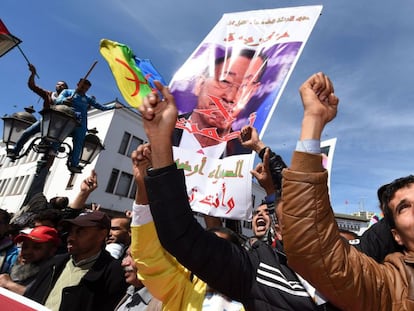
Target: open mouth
point(260, 224)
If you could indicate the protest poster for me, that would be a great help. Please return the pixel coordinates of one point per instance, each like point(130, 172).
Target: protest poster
point(234, 78)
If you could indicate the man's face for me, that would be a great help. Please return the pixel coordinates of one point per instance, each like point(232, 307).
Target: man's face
point(84, 242)
point(261, 221)
point(402, 206)
point(83, 88)
point(250, 84)
point(224, 85)
point(119, 232)
point(33, 252)
point(130, 270)
point(60, 86)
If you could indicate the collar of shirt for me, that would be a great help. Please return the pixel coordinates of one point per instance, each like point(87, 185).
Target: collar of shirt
point(91, 260)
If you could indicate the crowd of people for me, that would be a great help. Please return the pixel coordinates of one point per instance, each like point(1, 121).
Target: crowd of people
point(74, 256)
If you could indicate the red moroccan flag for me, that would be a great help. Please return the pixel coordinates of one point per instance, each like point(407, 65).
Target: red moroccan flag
point(7, 40)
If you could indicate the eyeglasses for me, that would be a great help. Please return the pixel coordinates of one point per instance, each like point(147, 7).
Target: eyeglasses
point(227, 85)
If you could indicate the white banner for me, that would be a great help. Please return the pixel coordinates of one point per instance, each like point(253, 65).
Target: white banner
point(11, 301)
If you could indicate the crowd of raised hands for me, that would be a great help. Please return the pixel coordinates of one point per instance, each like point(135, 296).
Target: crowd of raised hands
point(295, 260)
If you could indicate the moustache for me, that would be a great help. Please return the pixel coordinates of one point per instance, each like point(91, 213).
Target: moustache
point(128, 269)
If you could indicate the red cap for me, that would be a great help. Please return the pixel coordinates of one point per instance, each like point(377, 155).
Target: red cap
point(41, 234)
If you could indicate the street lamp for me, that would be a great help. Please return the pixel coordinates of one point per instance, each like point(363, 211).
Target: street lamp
point(92, 146)
point(58, 122)
point(15, 124)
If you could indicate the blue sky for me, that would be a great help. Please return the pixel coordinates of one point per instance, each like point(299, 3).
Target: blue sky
point(366, 47)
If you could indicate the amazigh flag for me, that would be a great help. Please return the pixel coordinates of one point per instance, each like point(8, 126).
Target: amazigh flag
point(134, 77)
point(7, 40)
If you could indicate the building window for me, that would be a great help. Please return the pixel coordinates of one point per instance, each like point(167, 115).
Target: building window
point(112, 181)
point(247, 224)
point(124, 143)
point(124, 184)
point(129, 143)
point(71, 181)
point(24, 184)
point(133, 191)
point(135, 142)
point(2, 184)
point(5, 185)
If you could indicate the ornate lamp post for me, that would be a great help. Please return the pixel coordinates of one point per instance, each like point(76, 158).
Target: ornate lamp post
point(15, 124)
point(91, 147)
point(58, 123)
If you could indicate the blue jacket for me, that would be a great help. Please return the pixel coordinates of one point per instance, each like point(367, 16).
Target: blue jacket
point(81, 103)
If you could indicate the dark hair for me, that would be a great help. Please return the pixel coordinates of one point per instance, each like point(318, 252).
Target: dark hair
point(59, 202)
point(52, 215)
point(388, 195)
point(128, 219)
point(85, 81)
point(380, 193)
point(5, 215)
point(64, 84)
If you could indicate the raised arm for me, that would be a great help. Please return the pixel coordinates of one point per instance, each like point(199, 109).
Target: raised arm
point(31, 82)
point(160, 116)
point(320, 105)
point(163, 276)
point(88, 185)
point(249, 138)
point(311, 237)
point(38, 90)
point(179, 232)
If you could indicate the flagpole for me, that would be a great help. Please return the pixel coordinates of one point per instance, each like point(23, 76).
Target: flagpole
point(25, 57)
point(15, 40)
point(90, 70)
point(85, 77)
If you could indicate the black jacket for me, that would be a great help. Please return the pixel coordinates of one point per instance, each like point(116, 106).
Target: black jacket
point(258, 278)
point(100, 288)
point(377, 241)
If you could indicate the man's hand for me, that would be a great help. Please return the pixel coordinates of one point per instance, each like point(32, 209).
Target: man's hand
point(160, 116)
point(32, 69)
point(320, 105)
point(5, 280)
point(263, 175)
point(249, 138)
point(90, 183)
point(141, 161)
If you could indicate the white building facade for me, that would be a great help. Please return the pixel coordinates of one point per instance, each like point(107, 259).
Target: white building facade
point(121, 132)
